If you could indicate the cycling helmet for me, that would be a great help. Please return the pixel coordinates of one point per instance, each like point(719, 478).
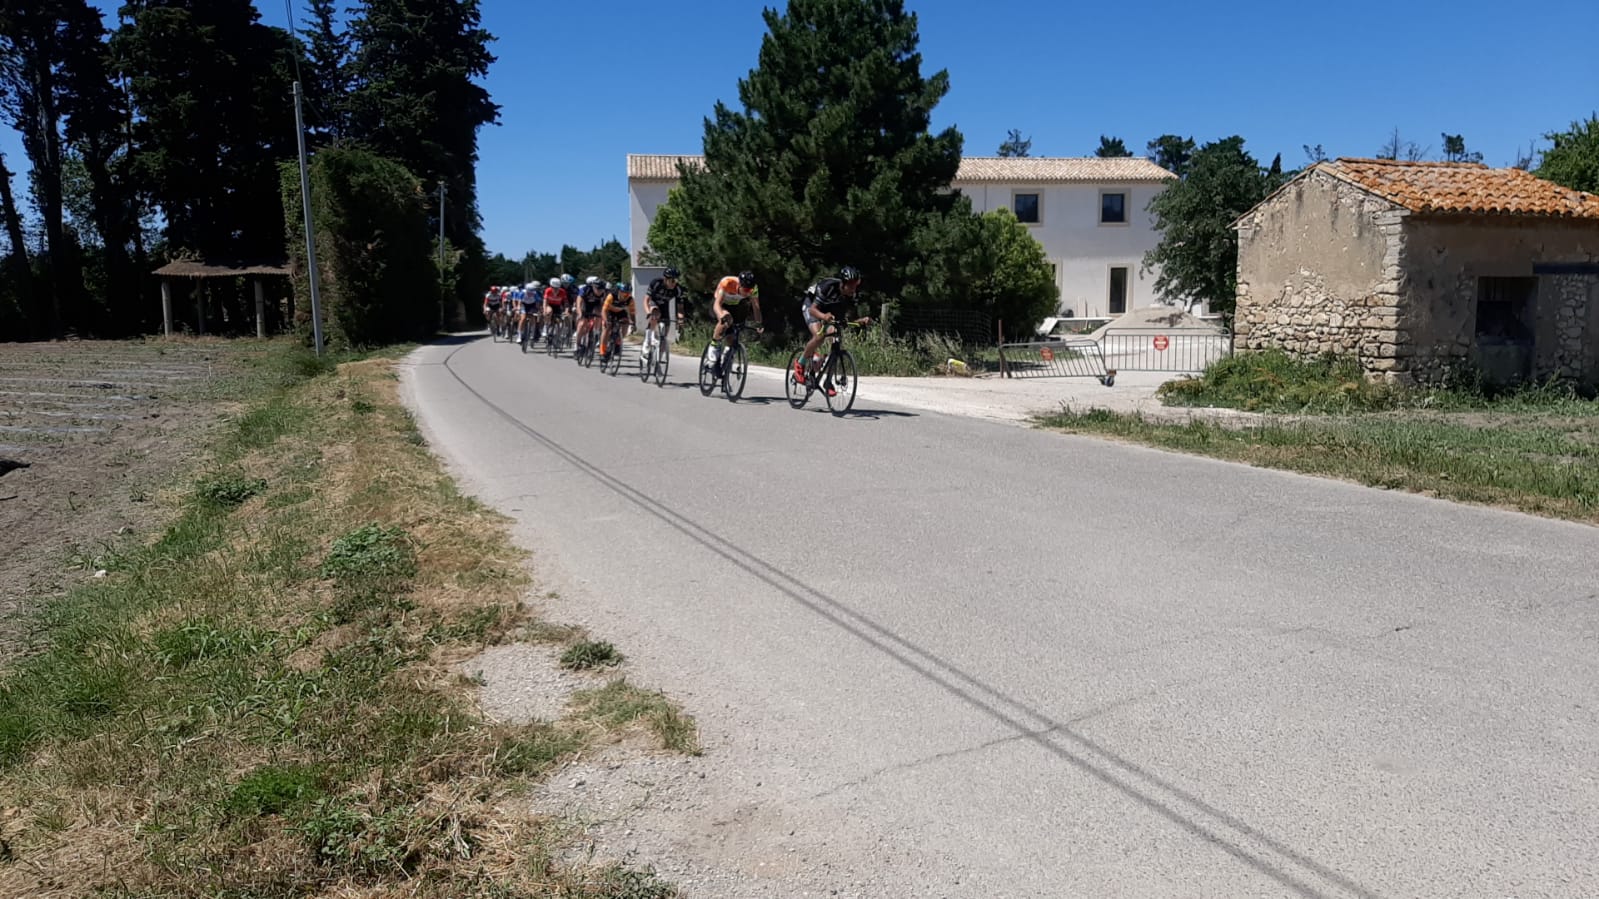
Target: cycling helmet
point(534, 285)
point(672, 273)
point(567, 280)
point(601, 285)
point(624, 286)
point(746, 280)
point(849, 273)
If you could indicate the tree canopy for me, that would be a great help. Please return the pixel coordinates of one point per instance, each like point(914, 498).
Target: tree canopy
point(1015, 144)
point(1111, 147)
point(828, 161)
point(1197, 255)
point(1572, 159)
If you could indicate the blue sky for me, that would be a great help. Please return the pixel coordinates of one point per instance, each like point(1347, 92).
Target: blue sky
point(1281, 74)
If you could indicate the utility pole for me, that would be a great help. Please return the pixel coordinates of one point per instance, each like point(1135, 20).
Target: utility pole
point(441, 254)
point(310, 235)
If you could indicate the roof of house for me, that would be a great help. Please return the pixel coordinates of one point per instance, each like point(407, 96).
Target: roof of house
point(1059, 169)
point(194, 268)
point(972, 168)
point(1462, 188)
point(641, 167)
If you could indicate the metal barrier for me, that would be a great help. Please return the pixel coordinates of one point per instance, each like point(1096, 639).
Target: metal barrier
point(1176, 350)
point(1074, 357)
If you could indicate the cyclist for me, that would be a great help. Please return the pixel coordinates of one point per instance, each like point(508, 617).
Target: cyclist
point(824, 302)
point(662, 293)
point(492, 301)
point(554, 303)
point(617, 310)
point(532, 305)
point(513, 312)
point(735, 295)
point(589, 302)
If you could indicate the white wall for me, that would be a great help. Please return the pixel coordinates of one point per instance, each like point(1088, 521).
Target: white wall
point(1082, 249)
point(644, 198)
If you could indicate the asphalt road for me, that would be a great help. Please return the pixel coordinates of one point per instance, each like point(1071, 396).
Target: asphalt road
point(959, 658)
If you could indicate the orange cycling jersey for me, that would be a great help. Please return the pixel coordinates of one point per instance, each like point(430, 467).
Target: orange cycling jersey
point(733, 293)
point(615, 305)
point(554, 296)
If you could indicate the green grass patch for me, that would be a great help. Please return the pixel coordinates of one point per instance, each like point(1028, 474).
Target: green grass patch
point(620, 705)
point(1544, 463)
point(1273, 381)
point(228, 489)
point(234, 712)
point(590, 654)
point(371, 551)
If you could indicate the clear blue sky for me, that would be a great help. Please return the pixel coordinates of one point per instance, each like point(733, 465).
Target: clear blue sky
point(1280, 74)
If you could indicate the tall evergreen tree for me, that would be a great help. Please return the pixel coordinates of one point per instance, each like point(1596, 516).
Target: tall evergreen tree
point(415, 98)
point(209, 156)
point(830, 160)
point(1015, 144)
point(30, 62)
point(1172, 153)
point(327, 78)
point(1111, 147)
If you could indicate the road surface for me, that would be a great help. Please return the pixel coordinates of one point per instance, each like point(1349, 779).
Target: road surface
point(938, 656)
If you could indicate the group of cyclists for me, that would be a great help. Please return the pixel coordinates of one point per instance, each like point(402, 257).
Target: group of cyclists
point(515, 309)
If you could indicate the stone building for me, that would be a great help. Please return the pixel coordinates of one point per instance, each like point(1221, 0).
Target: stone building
point(1420, 268)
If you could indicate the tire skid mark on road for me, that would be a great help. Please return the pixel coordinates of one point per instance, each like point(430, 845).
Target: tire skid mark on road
point(1194, 815)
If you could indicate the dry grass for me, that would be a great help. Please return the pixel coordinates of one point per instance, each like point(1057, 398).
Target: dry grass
point(228, 714)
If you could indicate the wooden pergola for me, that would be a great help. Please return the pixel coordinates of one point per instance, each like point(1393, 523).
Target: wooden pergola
point(200, 270)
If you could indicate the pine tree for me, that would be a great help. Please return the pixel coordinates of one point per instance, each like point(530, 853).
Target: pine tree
point(327, 77)
point(209, 156)
point(1015, 144)
point(415, 97)
point(1111, 147)
point(829, 161)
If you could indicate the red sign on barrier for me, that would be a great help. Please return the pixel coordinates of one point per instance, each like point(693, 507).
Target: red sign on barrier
point(1161, 342)
point(1048, 354)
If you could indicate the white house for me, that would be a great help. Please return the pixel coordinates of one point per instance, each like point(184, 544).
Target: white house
point(1088, 213)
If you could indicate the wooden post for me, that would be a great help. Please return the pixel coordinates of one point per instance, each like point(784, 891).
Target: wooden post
point(260, 309)
point(166, 306)
point(199, 306)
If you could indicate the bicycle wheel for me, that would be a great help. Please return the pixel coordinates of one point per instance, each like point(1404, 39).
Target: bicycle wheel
point(613, 355)
point(734, 371)
point(646, 361)
point(549, 337)
point(663, 358)
point(798, 394)
point(707, 376)
point(840, 375)
point(587, 349)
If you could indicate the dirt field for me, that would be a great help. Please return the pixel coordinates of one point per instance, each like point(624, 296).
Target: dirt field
point(87, 430)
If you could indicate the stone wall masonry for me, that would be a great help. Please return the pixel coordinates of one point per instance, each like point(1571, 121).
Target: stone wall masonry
point(1321, 269)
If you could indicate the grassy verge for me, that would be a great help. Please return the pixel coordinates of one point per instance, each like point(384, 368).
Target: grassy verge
point(261, 699)
point(1535, 449)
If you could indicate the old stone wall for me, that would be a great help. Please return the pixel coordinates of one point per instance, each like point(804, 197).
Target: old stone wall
point(1444, 262)
point(1321, 270)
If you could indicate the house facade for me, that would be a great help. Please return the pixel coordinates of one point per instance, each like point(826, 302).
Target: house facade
point(1089, 214)
point(1418, 269)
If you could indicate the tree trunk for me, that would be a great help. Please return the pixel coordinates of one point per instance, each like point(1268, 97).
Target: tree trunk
point(17, 262)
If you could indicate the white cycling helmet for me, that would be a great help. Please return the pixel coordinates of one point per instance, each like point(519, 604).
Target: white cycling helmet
point(567, 280)
point(591, 279)
point(534, 285)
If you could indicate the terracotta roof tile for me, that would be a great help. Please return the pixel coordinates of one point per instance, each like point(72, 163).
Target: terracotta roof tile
point(972, 168)
point(1463, 188)
point(641, 167)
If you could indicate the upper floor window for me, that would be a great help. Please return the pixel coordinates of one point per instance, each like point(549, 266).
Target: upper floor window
point(1113, 208)
point(1028, 208)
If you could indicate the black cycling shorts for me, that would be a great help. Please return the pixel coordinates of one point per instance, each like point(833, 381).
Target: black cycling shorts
point(739, 311)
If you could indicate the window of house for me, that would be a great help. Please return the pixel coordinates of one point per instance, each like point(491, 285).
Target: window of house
point(1118, 290)
point(1026, 207)
point(1504, 309)
point(1113, 208)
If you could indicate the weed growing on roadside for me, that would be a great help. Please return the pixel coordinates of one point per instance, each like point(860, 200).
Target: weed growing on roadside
point(590, 654)
point(370, 551)
point(228, 489)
